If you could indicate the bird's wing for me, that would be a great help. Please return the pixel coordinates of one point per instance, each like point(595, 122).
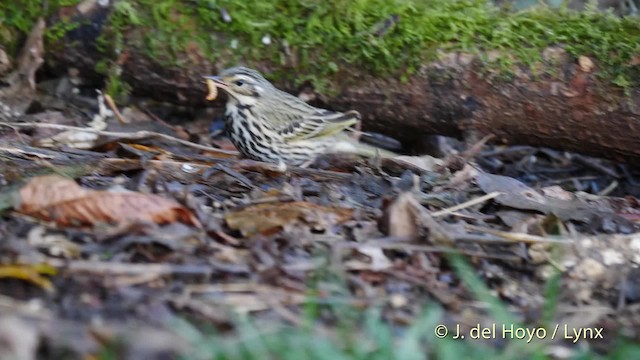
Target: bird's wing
point(303, 126)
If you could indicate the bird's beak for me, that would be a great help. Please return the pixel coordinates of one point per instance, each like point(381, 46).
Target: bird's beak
point(213, 83)
point(218, 81)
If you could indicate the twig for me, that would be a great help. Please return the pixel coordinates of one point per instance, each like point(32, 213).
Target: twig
point(519, 237)
point(588, 162)
point(114, 108)
point(466, 204)
point(156, 117)
point(411, 247)
point(25, 153)
point(122, 135)
point(127, 280)
point(606, 191)
point(119, 268)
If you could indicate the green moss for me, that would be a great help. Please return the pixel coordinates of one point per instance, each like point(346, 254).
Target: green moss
point(18, 17)
point(322, 36)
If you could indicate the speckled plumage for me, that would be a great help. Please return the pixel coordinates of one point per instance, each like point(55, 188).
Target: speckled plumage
point(270, 125)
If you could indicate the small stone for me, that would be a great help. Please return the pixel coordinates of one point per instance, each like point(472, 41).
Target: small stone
point(398, 301)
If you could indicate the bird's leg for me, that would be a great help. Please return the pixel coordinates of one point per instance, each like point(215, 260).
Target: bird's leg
point(306, 164)
point(376, 163)
point(358, 130)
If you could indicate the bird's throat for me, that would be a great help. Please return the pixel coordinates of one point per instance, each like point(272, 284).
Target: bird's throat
point(242, 100)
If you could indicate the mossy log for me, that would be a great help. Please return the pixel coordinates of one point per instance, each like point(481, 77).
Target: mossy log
point(560, 102)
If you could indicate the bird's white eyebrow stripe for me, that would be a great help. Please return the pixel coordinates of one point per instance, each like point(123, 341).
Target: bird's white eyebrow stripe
point(241, 77)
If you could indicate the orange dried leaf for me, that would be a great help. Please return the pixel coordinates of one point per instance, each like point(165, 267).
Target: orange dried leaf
point(60, 199)
point(271, 217)
point(44, 191)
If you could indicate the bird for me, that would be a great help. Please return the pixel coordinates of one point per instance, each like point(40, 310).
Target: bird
point(273, 126)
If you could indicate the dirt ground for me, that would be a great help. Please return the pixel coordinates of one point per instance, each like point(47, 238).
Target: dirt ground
point(119, 222)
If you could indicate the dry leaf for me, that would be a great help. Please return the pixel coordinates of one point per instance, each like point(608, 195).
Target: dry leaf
point(56, 198)
point(401, 217)
point(378, 261)
point(271, 217)
point(407, 218)
point(31, 273)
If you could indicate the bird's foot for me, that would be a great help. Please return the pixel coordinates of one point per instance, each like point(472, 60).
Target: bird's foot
point(358, 130)
point(307, 163)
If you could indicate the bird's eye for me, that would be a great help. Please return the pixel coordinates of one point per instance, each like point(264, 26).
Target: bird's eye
point(239, 82)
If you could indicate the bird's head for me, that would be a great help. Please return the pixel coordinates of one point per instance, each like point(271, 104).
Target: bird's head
point(244, 85)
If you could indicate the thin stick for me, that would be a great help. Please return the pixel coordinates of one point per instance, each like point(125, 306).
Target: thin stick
point(121, 268)
point(519, 237)
point(114, 108)
point(411, 247)
point(606, 191)
point(466, 204)
point(122, 135)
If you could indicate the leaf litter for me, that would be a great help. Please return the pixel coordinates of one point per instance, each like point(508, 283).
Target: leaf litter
point(143, 224)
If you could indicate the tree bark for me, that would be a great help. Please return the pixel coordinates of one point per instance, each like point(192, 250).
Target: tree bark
point(575, 111)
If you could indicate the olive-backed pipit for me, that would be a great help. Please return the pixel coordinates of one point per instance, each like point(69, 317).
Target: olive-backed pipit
point(270, 125)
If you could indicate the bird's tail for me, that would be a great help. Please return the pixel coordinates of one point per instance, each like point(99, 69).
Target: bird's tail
point(349, 145)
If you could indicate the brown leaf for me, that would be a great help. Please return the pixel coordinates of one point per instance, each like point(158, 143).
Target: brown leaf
point(271, 217)
point(53, 197)
point(406, 217)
